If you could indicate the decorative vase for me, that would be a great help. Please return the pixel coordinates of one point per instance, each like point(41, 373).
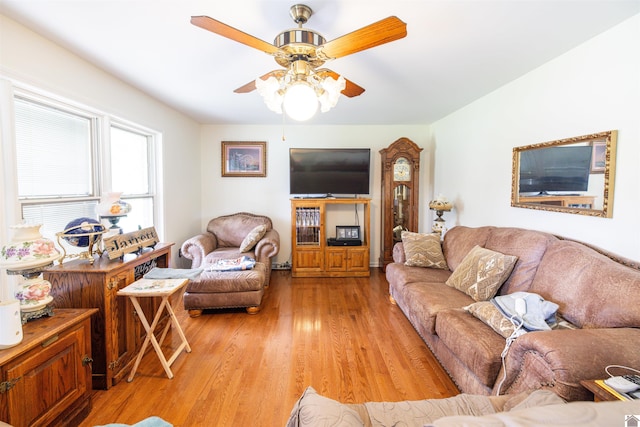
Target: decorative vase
point(111, 205)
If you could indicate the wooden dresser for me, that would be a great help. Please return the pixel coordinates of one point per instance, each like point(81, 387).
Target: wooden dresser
point(46, 379)
point(116, 334)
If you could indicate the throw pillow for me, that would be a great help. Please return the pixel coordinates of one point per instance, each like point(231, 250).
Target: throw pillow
point(253, 237)
point(491, 316)
point(423, 250)
point(313, 409)
point(481, 273)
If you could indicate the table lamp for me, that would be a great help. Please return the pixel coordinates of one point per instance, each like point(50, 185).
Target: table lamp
point(440, 205)
point(27, 255)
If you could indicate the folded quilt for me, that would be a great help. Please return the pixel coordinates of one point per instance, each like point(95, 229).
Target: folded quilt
point(235, 264)
point(173, 273)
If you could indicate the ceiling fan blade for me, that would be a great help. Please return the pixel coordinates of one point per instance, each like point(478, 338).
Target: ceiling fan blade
point(381, 32)
point(351, 89)
point(251, 86)
point(234, 34)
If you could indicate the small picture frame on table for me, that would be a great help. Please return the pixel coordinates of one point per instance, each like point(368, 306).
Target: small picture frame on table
point(244, 159)
point(344, 232)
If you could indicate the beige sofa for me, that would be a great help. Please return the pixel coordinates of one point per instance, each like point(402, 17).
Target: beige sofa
point(539, 408)
point(596, 293)
point(224, 240)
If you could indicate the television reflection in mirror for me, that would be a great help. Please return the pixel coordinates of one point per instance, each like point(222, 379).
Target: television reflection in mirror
point(572, 175)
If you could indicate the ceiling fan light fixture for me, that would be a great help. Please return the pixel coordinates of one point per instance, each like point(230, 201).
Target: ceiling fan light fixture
point(300, 101)
point(330, 93)
point(300, 87)
point(270, 91)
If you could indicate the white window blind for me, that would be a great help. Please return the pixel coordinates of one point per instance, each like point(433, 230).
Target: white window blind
point(63, 167)
point(54, 151)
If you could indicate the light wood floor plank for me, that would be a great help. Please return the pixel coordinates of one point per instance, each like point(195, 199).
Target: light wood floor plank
point(339, 335)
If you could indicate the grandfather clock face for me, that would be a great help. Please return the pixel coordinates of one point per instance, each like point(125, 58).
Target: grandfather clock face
point(402, 170)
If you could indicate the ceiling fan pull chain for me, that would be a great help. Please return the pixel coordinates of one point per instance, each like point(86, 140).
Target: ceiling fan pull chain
point(283, 125)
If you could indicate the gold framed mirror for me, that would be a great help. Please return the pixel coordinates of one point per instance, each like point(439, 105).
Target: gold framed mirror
point(574, 175)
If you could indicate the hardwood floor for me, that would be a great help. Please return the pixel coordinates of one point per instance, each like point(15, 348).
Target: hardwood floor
point(341, 336)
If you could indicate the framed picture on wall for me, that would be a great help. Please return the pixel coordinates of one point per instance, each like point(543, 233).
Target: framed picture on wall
point(240, 158)
point(598, 156)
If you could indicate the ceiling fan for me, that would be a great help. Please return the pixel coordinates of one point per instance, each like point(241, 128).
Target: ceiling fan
point(301, 52)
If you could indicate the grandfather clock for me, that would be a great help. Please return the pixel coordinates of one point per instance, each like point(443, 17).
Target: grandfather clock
point(400, 177)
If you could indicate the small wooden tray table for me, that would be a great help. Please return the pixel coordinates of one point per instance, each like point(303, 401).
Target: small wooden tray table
point(163, 288)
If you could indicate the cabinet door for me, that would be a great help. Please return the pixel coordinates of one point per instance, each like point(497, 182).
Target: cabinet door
point(336, 259)
point(50, 378)
point(308, 260)
point(124, 327)
point(358, 259)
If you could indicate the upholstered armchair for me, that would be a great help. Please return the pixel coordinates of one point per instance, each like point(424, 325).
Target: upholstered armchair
point(230, 237)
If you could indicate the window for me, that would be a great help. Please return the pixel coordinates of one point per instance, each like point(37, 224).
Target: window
point(131, 157)
point(67, 157)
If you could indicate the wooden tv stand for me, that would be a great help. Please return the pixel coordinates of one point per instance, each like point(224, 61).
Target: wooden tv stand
point(312, 256)
point(565, 201)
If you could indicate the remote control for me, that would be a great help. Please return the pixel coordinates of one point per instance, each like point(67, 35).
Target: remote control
point(621, 384)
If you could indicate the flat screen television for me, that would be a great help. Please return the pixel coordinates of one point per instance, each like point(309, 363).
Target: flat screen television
point(555, 169)
point(329, 171)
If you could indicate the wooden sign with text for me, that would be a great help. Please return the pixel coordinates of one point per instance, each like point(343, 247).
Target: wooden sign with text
point(122, 244)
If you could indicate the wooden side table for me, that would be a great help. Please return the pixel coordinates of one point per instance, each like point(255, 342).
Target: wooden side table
point(163, 288)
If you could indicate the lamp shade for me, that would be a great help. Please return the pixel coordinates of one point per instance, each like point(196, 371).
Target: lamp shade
point(440, 205)
point(27, 249)
point(269, 89)
point(300, 101)
point(331, 92)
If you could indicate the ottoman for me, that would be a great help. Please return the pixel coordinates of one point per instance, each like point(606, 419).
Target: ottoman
point(226, 289)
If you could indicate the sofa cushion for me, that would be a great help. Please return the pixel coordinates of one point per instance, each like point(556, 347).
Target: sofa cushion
point(418, 412)
point(398, 275)
point(424, 301)
point(588, 414)
point(481, 273)
point(528, 245)
point(253, 237)
point(315, 410)
point(229, 281)
point(221, 253)
point(230, 230)
point(423, 250)
point(491, 316)
point(592, 290)
point(475, 344)
point(460, 240)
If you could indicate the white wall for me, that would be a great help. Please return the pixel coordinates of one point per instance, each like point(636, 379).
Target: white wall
point(34, 60)
point(270, 196)
point(592, 88)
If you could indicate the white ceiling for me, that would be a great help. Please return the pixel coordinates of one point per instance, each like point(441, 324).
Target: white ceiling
point(454, 53)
